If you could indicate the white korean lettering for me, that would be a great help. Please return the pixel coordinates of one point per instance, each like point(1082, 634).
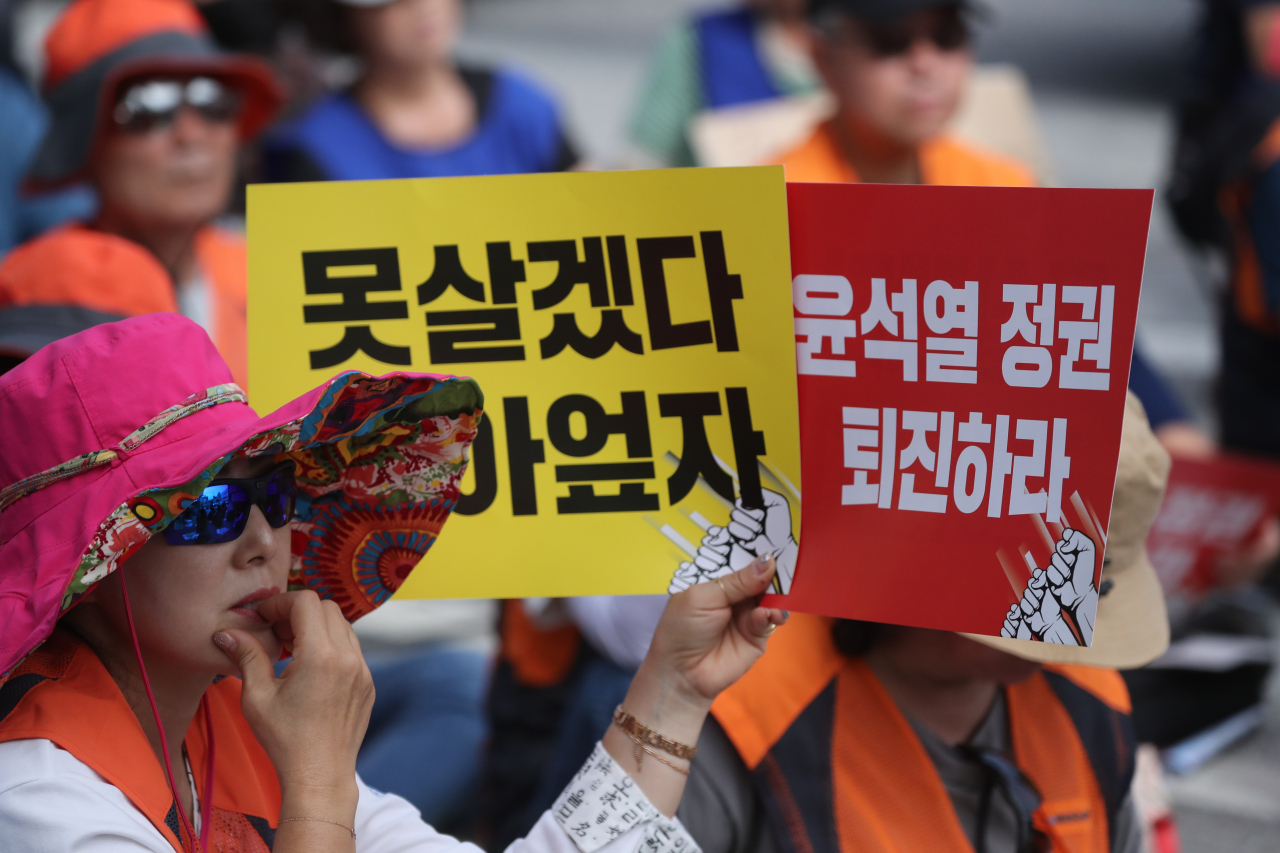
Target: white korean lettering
point(959, 311)
point(880, 314)
point(1059, 470)
point(1078, 332)
point(1019, 375)
point(1001, 466)
point(944, 449)
point(972, 431)
point(951, 360)
point(822, 295)
point(917, 450)
point(1028, 366)
point(1021, 501)
point(884, 312)
point(888, 455)
point(809, 350)
point(904, 351)
point(857, 438)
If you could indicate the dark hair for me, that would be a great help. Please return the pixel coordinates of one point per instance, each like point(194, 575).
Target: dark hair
point(853, 637)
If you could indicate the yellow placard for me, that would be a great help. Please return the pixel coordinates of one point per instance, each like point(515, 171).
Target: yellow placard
point(632, 333)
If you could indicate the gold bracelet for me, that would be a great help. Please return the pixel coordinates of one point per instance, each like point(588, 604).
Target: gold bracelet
point(322, 820)
point(658, 756)
point(645, 737)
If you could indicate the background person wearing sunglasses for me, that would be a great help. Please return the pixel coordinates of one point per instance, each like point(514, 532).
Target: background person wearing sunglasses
point(147, 110)
point(896, 69)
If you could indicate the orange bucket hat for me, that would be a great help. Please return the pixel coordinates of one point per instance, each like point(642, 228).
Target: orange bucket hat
point(96, 44)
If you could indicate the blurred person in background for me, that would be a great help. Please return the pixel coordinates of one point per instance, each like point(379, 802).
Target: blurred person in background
point(415, 111)
point(752, 52)
point(1225, 196)
point(24, 215)
point(897, 70)
point(856, 736)
point(147, 110)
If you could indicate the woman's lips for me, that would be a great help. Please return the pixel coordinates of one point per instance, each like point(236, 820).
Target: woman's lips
point(247, 607)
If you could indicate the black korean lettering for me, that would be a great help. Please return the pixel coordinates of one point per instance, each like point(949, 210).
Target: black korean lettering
point(613, 331)
point(447, 273)
point(503, 325)
point(504, 273)
point(523, 452)
point(356, 339)
point(571, 272)
point(632, 423)
point(723, 288)
point(748, 446)
point(486, 472)
point(696, 459)
point(620, 270)
point(355, 306)
point(663, 334)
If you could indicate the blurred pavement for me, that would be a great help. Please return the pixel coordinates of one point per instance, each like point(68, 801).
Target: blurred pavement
point(1102, 73)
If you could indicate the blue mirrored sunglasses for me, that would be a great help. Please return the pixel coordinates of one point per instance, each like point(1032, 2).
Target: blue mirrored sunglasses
point(222, 510)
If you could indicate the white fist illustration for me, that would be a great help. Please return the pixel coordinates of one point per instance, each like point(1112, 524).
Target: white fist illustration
point(767, 531)
point(1071, 568)
point(750, 533)
point(1039, 607)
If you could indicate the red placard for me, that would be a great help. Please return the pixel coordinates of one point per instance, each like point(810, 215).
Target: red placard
point(1210, 508)
point(963, 356)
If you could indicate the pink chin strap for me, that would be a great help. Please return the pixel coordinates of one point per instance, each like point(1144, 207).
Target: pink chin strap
point(206, 803)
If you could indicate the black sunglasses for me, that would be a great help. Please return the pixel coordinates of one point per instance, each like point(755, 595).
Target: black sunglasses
point(946, 28)
point(222, 510)
point(153, 104)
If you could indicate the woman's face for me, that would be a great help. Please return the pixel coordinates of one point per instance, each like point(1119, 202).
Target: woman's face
point(408, 33)
point(181, 595)
point(943, 657)
point(902, 96)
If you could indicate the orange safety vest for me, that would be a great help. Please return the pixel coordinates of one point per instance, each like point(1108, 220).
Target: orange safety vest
point(943, 160)
point(77, 265)
point(62, 693)
point(840, 769)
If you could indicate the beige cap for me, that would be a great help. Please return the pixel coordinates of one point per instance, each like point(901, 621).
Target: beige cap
point(1132, 627)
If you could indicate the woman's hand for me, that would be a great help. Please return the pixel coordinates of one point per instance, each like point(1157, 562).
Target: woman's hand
point(712, 633)
point(709, 635)
point(312, 719)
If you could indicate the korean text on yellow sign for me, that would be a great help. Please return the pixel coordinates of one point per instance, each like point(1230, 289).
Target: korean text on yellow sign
point(632, 332)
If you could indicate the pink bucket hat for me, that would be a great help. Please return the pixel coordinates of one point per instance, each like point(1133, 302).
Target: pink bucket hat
point(113, 431)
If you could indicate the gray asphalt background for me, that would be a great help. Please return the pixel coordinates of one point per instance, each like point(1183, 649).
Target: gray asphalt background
point(1102, 73)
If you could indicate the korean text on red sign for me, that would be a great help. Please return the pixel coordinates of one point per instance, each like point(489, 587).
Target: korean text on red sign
point(963, 356)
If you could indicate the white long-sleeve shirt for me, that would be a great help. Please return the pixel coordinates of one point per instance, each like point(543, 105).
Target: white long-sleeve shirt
point(51, 802)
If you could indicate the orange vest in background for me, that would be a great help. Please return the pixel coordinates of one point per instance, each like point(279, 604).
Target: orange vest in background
point(841, 770)
point(943, 160)
point(62, 693)
point(76, 265)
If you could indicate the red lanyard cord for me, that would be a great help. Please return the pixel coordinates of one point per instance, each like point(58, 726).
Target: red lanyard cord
point(206, 807)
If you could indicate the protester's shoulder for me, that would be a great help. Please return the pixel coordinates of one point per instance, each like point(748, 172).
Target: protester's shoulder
point(1105, 685)
point(959, 161)
point(59, 265)
point(322, 114)
point(520, 96)
point(42, 785)
point(816, 160)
